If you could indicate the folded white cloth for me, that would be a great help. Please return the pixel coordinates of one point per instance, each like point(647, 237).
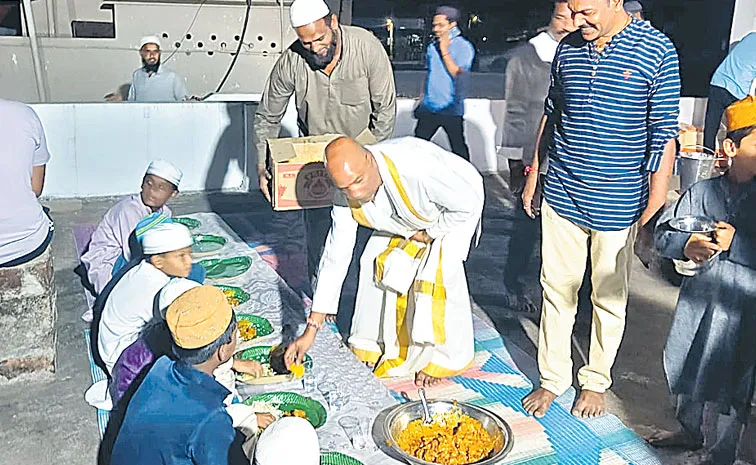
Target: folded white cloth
point(399, 271)
point(98, 396)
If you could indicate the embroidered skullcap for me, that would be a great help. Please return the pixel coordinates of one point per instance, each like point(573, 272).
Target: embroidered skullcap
point(274, 444)
point(166, 237)
point(741, 114)
point(149, 40)
point(198, 317)
point(165, 170)
point(171, 291)
point(303, 12)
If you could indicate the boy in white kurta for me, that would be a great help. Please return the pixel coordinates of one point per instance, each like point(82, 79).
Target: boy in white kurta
point(413, 311)
point(130, 303)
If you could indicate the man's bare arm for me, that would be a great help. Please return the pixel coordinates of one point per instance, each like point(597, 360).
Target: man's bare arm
point(38, 179)
point(659, 183)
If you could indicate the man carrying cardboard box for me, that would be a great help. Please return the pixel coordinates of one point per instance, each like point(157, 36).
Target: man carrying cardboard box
point(343, 83)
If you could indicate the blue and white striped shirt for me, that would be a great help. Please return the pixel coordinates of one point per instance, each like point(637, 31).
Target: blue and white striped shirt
point(613, 113)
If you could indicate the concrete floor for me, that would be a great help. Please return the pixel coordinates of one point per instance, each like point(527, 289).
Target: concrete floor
point(47, 421)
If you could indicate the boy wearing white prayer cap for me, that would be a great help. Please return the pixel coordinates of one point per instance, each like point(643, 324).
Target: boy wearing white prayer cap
point(109, 248)
point(130, 302)
point(154, 341)
point(274, 446)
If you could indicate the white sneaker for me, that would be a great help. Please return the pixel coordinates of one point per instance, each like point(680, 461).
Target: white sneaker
point(88, 316)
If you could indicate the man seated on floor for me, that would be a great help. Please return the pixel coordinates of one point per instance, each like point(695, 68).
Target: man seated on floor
point(109, 248)
point(177, 414)
point(155, 341)
point(129, 304)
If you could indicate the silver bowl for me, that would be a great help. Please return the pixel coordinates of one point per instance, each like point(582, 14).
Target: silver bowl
point(400, 416)
point(693, 224)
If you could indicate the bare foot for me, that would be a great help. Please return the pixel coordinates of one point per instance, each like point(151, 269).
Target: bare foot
point(538, 402)
point(330, 318)
point(421, 379)
point(589, 404)
point(675, 439)
point(370, 365)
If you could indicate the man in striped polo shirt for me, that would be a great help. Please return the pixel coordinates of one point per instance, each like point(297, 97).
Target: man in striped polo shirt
point(613, 104)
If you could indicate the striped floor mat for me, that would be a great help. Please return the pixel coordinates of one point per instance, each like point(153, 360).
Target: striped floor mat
point(495, 383)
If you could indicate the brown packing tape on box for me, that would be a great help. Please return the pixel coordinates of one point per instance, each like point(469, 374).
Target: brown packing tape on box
point(300, 180)
point(690, 137)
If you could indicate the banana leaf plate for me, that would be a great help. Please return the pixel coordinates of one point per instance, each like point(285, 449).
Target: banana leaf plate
point(337, 458)
point(287, 402)
point(206, 244)
point(226, 268)
point(236, 296)
point(190, 223)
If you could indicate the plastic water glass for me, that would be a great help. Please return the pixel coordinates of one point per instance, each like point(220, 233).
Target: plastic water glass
point(366, 429)
point(309, 382)
point(338, 399)
point(351, 426)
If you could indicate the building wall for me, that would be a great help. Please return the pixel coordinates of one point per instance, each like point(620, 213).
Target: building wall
point(744, 19)
point(197, 43)
point(103, 149)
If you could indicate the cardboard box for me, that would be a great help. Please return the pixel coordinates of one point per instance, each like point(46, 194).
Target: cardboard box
point(300, 180)
point(691, 139)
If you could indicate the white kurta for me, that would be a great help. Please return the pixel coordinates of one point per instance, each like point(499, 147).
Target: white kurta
point(424, 188)
point(111, 238)
point(127, 309)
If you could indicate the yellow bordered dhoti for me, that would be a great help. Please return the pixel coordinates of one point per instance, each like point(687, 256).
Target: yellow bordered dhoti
point(426, 328)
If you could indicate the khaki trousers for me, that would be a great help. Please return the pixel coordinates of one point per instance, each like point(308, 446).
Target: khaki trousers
point(565, 249)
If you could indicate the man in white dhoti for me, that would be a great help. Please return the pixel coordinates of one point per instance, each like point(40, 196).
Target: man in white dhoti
point(413, 312)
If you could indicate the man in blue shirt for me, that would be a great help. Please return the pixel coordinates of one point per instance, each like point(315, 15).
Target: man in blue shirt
point(731, 82)
point(613, 106)
point(177, 415)
point(449, 57)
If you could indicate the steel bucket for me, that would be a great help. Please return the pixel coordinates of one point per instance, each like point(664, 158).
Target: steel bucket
point(693, 167)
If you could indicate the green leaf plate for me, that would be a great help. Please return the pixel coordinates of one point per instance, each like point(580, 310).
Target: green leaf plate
point(190, 223)
point(289, 401)
point(260, 354)
point(337, 458)
point(207, 243)
point(225, 268)
point(236, 293)
point(262, 325)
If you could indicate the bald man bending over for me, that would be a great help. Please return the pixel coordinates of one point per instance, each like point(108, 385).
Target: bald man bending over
point(413, 312)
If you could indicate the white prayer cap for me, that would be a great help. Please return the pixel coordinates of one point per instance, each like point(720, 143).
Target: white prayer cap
point(274, 447)
point(166, 237)
point(303, 12)
point(149, 40)
point(165, 170)
point(172, 290)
